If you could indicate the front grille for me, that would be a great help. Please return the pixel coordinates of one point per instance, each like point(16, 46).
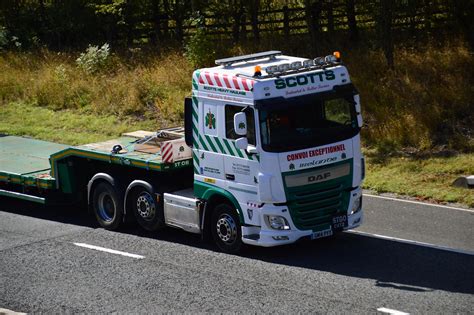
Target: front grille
point(313, 206)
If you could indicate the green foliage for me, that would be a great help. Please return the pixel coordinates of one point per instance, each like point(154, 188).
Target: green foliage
point(94, 59)
point(16, 42)
point(3, 37)
point(60, 74)
point(114, 8)
point(200, 48)
point(425, 102)
point(151, 91)
point(59, 88)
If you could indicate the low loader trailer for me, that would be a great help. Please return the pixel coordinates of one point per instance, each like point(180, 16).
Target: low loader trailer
point(269, 155)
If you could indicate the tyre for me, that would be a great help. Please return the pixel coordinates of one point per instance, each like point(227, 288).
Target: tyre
point(225, 229)
point(107, 206)
point(147, 210)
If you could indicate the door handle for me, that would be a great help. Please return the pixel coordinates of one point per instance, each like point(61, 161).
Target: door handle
point(230, 176)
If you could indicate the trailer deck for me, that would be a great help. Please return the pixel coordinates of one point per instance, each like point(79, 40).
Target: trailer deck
point(25, 161)
point(34, 163)
point(140, 149)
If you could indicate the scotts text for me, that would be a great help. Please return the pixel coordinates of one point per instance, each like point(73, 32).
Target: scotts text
point(305, 79)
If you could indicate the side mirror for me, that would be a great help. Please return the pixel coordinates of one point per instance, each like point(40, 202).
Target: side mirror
point(240, 124)
point(357, 108)
point(357, 103)
point(242, 143)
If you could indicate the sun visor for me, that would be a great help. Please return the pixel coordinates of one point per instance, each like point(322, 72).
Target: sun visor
point(276, 103)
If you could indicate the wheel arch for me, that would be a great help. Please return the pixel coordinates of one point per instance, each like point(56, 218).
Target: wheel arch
point(95, 180)
point(213, 196)
point(216, 195)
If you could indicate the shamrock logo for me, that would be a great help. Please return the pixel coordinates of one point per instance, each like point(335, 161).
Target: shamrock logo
point(241, 125)
point(292, 166)
point(210, 120)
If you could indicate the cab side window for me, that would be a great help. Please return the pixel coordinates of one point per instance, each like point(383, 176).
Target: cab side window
point(230, 111)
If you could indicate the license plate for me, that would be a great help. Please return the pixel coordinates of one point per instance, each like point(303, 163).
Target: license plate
point(339, 222)
point(320, 234)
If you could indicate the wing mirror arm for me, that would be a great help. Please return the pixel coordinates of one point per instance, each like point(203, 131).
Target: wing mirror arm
point(243, 144)
point(251, 150)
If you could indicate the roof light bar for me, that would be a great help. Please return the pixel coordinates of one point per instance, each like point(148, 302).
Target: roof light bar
point(317, 62)
point(330, 59)
point(229, 61)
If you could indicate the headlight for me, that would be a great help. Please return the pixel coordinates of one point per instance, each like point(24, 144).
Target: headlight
point(357, 205)
point(277, 222)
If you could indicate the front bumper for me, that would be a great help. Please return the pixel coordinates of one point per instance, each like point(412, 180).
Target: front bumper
point(267, 237)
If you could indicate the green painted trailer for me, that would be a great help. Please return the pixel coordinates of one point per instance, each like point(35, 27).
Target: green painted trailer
point(25, 162)
point(41, 171)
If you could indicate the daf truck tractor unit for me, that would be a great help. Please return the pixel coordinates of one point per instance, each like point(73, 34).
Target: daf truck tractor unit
point(269, 155)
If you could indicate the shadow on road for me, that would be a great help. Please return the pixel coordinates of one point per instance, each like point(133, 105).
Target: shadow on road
point(392, 264)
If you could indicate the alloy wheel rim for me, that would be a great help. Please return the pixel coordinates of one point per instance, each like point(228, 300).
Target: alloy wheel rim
point(226, 229)
point(107, 206)
point(146, 206)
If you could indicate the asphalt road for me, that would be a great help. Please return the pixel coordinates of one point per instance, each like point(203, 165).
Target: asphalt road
point(43, 270)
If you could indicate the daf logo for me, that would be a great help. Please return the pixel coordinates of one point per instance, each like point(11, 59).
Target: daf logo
point(317, 178)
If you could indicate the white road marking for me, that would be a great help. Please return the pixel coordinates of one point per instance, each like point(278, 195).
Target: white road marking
point(390, 311)
point(108, 250)
point(9, 312)
point(411, 242)
point(420, 203)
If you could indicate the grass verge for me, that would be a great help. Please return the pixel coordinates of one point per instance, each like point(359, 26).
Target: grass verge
point(426, 179)
point(64, 126)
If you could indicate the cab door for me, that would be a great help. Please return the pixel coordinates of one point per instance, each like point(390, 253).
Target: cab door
point(211, 158)
point(241, 168)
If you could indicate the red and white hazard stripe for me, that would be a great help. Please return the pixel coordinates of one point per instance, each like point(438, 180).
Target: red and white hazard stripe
point(167, 152)
point(224, 80)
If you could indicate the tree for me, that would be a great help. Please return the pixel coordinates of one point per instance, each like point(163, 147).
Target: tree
point(351, 21)
point(464, 17)
point(329, 8)
point(313, 14)
point(254, 7)
point(385, 18)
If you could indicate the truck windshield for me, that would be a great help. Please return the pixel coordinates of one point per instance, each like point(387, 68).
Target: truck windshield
point(304, 122)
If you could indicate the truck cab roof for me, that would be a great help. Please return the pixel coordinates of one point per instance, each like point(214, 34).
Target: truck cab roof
point(270, 74)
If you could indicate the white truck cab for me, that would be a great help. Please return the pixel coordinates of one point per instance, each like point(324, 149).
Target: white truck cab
point(276, 149)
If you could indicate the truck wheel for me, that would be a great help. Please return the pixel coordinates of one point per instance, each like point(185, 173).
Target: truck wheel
point(225, 229)
point(107, 206)
point(148, 212)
